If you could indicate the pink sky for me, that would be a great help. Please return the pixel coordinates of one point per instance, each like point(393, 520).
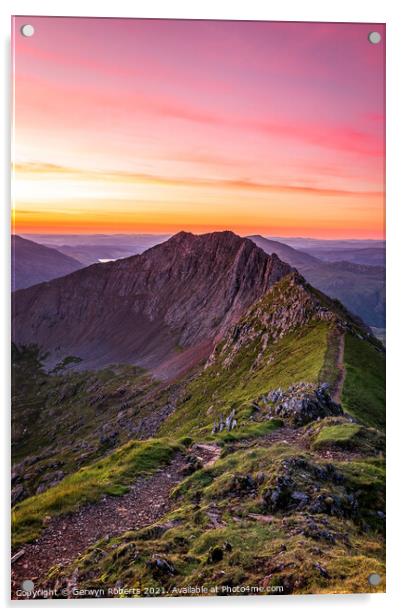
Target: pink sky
point(156, 125)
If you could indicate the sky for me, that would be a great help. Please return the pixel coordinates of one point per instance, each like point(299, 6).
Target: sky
point(157, 126)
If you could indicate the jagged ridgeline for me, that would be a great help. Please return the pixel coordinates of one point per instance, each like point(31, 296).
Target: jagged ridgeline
point(242, 408)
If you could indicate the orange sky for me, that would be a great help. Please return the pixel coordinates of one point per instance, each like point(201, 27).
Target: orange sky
point(158, 126)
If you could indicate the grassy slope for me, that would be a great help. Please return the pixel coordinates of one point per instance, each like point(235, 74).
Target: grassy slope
point(297, 357)
point(364, 388)
point(62, 421)
point(111, 475)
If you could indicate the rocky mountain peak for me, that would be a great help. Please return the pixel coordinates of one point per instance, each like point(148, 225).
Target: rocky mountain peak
point(162, 309)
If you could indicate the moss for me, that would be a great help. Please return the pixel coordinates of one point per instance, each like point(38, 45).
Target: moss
point(348, 436)
point(340, 435)
point(249, 552)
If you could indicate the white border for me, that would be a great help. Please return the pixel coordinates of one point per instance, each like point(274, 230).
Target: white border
point(388, 11)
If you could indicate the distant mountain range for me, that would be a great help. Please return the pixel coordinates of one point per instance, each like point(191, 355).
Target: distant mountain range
point(90, 249)
point(360, 287)
point(33, 263)
point(364, 252)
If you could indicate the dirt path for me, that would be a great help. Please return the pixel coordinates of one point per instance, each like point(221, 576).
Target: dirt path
point(68, 536)
point(208, 452)
point(296, 437)
point(286, 435)
point(340, 379)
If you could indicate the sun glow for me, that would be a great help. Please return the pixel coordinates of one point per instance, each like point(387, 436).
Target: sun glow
point(198, 141)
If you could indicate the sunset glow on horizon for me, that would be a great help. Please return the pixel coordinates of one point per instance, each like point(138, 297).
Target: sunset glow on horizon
point(158, 126)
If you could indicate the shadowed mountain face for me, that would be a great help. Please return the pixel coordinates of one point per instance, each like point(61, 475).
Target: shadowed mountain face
point(33, 263)
point(361, 288)
point(163, 309)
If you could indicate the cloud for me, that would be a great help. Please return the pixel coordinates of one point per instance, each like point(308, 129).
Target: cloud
point(122, 177)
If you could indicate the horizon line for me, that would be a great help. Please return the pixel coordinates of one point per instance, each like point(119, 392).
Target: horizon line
point(160, 234)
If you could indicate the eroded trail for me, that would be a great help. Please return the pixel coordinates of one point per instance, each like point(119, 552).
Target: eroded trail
point(208, 452)
point(299, 439)
point(338, 386)
point(68, 536)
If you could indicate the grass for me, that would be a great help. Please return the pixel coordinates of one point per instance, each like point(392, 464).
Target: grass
point(347, 436)
point(60, 421)
point(269, 552)
point(336, 435)
point(363, 393)
point(252, 430)
point(111, 475)
point(299, 356)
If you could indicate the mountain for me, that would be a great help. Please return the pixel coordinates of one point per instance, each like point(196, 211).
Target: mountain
point(90, 254)
point(161, 310)
point(374, 256)
point(361, 288)
point(33, 263)
point(263, 466)
point(364, 252)
point(89, 249)
point(294, 257)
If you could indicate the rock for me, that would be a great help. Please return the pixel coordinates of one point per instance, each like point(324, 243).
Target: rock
point(302, 403)
point(322, 570)
point(160, 565)
point(260, 477)
point(313, 531)
point(108, 440)
point(274, 396)
point(215, 554)
point(300, 497)
point(17, 494)
point(242, 484)
point(194, 463)
point(41, 488)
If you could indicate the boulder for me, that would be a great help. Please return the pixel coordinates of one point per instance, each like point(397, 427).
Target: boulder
point(302, 403)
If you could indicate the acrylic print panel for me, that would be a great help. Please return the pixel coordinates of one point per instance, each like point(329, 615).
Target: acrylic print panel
point(198, 308)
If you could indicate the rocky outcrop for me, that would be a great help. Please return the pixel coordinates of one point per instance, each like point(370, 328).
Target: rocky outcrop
point(229, 423)
point(162, 309)
point(289, 305)
point(300, 404)
point(302, 485)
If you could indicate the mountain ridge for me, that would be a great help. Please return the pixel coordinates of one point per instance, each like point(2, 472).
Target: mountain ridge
point(359, 287)
point(33, 263)
point(144, 305)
